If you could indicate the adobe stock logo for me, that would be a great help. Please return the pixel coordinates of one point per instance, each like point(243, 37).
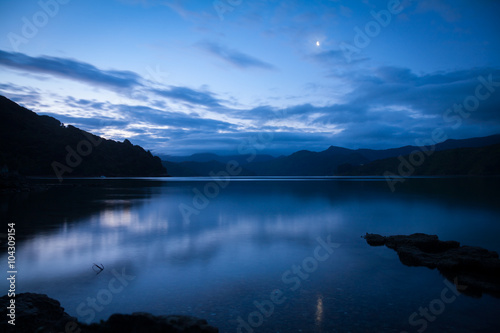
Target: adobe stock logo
point(75, 158)
point(293, 277)
point(222, 7)
point(116, 285)
point(31, 26)
point(372, 28)
point(429, 314)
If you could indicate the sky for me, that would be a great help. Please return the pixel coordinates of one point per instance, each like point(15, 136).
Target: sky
point(180, 77)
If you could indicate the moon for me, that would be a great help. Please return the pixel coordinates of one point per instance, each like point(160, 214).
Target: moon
point(317, 43)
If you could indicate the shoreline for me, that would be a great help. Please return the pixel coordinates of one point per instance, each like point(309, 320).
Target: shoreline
point(33, 312)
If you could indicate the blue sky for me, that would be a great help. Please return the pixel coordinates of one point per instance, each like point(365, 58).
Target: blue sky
point(179, 77)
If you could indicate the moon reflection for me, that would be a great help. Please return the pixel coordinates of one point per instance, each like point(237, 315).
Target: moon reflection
point(319, 310)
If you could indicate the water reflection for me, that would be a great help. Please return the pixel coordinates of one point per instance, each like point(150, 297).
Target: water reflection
point(238, 247)
point(319, 310)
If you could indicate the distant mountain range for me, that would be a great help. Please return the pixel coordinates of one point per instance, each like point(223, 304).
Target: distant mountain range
point(36, 145)
point(448, 158)
point(469, 161)
point(202, 164)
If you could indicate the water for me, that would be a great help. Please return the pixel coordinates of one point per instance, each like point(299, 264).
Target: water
point(230, 256)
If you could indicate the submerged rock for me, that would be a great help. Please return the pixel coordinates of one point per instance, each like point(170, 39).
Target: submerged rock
point(475, 269)
point(40, 313)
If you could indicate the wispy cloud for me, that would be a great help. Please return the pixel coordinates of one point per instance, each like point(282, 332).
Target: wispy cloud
point(335, 57)
point(88, 123)
point(114, 79)
point(25, 96)
point(70, 69)
point(188, 95)
point(234, 57)
point(177, 120)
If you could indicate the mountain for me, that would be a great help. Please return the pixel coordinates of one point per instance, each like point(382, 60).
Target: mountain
point(42, 146)
point(459, 161)
point(200, 169)
point(307, 163)
point(373, 155)
point(209, 157)
point(202, 164)
point(301, 163)
point(330, 162)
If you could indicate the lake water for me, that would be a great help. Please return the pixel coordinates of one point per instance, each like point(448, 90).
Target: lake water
point(254, 254)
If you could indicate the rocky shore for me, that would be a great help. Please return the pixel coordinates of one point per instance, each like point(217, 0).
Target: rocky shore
point(42, 314)
point(474, 269)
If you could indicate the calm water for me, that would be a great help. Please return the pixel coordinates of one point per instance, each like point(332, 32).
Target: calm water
point(254, 241)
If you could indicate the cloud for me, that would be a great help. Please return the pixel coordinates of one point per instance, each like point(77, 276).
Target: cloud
point(114, 79)
point(154, 129)
point(188, 95)
point(176, 120)
point(132, 117)
point(393, 106)
point(24, 96)
point(335, 60)
point(329, 56)
point(429, 94)
point(386, 107)
point(70, 69)
point(234, 57)
point(76, 103)
point(85, 123)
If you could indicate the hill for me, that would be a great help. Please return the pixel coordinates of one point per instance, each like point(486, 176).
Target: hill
point(35, 145)
point(483, 161)
point(307, 163)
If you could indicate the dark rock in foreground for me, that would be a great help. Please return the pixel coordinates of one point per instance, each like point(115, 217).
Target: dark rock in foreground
point(144, 322)
point(34, 313)
point(39, 313)
point(475, 269)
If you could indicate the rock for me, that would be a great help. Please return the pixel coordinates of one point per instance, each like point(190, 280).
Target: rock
point(424, 242)
point(475, 269)
point(39, 313)
point(144, 322)
point(34, 313)
point(375, 240)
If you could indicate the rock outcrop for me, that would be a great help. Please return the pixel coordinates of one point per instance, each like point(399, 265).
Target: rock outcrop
point(40, 313)
point(475, 269)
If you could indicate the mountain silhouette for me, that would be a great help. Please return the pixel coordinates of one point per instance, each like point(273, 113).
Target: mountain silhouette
point(480, 161)
point(35, 145)
point(474, 156)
